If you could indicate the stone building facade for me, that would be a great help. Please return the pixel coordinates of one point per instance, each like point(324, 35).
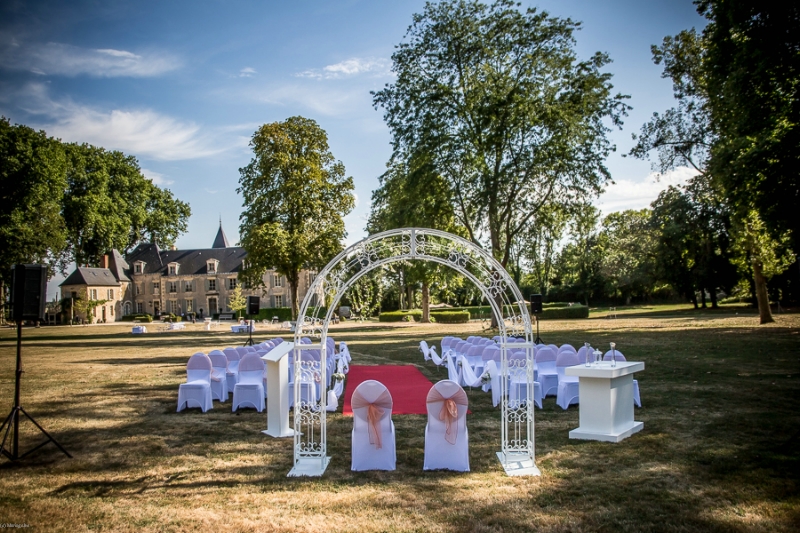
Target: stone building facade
point(154, 281)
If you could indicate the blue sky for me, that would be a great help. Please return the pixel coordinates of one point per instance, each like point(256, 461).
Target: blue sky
point(182, 85)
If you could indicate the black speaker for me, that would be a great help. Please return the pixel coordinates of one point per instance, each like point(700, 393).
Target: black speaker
point(536, 304)
point(252, 305)
point(28, 292)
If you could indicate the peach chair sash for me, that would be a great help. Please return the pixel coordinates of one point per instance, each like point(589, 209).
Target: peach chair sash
point(375, 411)
point(449, 412)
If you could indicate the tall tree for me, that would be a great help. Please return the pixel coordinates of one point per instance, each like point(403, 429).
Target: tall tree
point(32, 187)
point(509, 116)
point(628, 258)
point(752, 66)
point(295, 197)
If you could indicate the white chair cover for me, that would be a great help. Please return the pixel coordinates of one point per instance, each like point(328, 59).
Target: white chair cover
point(233, 367)
point(196, 392)
point(467, 375)
point(373, 437)
point(547, 374)
point(637, 400)
point(249, 391)
point(423, 347)
point(567, 348)
point(446, 436)
point(582, 354)
point(568, 388)
point(219, 375)
point(438, 361)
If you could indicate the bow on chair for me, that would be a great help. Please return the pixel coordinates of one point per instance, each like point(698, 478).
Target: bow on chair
point(449, 412)
point(375, 411)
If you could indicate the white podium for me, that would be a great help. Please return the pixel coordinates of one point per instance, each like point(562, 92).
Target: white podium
point(606, 400)
point(278, 391)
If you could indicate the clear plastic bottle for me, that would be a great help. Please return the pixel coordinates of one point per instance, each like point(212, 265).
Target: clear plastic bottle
point(588, 354)
point(598, 356)
point(613, 354)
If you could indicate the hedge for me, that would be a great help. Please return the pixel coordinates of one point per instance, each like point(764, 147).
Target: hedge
point(575, 311)
point(450, 317)
point(140, 318)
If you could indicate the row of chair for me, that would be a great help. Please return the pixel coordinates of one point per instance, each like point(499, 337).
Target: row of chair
point(446, 436)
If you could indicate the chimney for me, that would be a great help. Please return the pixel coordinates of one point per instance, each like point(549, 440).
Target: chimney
point(104, 263)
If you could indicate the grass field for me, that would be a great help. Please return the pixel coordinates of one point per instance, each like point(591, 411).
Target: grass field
point(720, 449)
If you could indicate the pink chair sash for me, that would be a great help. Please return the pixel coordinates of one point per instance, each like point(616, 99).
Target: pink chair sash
point(375, 411)
point(449, 412)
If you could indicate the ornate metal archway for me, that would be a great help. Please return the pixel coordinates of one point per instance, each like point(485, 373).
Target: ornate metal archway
point(489, 276)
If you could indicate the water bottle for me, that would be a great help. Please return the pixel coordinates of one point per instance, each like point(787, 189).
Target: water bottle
point(598, 356)
point(613, 354)
point(588, 354)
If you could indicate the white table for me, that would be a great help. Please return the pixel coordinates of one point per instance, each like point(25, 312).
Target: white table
point(606, 401)
point(137, 330)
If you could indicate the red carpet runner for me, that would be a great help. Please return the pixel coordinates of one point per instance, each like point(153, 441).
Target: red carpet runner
point(408, 387)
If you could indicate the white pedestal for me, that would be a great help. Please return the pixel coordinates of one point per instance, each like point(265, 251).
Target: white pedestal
point(278, 391)
point(606, 401)
point(310, 466)
point(518, 464)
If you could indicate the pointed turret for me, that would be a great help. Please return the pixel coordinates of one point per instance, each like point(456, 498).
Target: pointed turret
point(221, 241)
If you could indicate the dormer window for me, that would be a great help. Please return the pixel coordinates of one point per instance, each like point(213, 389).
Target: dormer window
point(173, 269)
point(212, 266)
point(138, 267)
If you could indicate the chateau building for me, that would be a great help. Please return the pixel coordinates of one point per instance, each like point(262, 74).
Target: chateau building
point(154, 281)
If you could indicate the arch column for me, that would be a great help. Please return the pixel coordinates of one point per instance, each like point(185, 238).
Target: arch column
point(517, 453)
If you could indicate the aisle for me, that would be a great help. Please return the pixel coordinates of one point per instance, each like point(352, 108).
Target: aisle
point(408, 387)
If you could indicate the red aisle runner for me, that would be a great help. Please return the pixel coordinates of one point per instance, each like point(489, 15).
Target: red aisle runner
point(408, 387)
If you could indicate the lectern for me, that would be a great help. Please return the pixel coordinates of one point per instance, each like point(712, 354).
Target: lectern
point(278, 390)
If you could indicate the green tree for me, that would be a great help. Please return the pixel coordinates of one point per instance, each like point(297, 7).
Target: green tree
point(509, 117)
point(32, 184)
point(295, 197)
point(628, 257)
point(237, 302)
point(752, 69)
point(108, 204)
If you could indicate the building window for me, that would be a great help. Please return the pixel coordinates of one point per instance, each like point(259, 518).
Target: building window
point(173, 270)
point(173, 286)
point(156, 287)
point(212, 267)
point(278, 300)
point(212, 284)
point(137, 268)
point(138, 290)
point(231, 283)
point(212, 305)
point(187, 287)
point(173, 307)
point(110, 294)
point(139, 308)
point(93, 294)
point(189, 306)
point(111, 310)
point(277, 281)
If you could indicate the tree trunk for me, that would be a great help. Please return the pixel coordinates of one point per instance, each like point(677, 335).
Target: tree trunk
point(764, 312)
point(410, 296)
point(293, 280)
point(703, 297)
point(694, 299)
point(426, 303)
point(2, 302)
point(714, 303)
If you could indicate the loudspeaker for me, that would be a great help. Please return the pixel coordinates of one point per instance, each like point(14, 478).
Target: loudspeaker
point(536, 304)
point(252, 305)
point(28, 292)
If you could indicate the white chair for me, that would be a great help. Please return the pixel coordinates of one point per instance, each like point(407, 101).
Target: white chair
point(567, 348)
point(568, 388)
point(219, 375)
point(446, 437)
point(619, 357)
point(233, 367)
point(373, 438)
point(547, 374)
point(518, 381)
point(249, 391)
point(582, 354)
point(196, 392)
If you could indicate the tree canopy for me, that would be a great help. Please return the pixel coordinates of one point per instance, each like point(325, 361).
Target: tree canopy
point(295, 197)
point(508, 115)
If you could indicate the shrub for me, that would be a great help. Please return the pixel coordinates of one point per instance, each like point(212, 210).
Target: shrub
point(393, 316)
point(575, 311)
point(450, 317)
point(140, 318)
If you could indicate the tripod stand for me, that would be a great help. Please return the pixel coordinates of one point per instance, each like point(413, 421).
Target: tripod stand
point(249, 341)
point(538, 339)
point(12, 420)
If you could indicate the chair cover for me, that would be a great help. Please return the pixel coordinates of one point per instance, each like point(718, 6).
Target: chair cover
point(567, 348)
point(568, 388)
point(546, 366)
point(219, 375)
point(373, 437)
point(423, 347)
point(233, 367)
point(446, 436)
point(636, 398)
point(249, 391)
point(438, 361)
point(196, 392)
point(468, 377)
point(474, 356)
point(582, 354)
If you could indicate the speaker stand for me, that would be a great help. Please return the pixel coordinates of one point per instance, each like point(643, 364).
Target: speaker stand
point(538, 339)
point(249, 341)
point(12, 420)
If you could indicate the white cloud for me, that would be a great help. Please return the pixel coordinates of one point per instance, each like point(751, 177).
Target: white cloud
point(355, 197)
point(350, 67)
point(209, 191)
point(628, 194)
point(67, 60)
point(156, 177)
point(247, 72)
point(140, 132)
point(319, 99)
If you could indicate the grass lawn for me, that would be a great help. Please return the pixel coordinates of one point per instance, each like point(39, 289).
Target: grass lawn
point(720, 449)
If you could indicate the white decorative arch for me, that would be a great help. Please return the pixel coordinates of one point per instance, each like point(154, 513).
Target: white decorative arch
point(407, 244)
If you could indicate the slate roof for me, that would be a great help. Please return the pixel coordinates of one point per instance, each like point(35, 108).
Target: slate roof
point(102, 277)
point(118, 266)
point(220, 241)
point(190, 261)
